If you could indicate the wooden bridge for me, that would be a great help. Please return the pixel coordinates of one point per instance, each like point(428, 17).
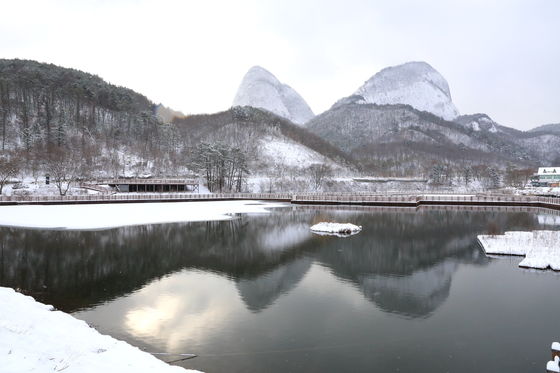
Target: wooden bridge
point(350, 199)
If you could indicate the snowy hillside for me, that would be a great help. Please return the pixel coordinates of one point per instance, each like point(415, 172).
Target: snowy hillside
point(267, 137)
point(478, 122)
point(414, 83)
point(546, 145)
point(289, 153)
point(259, 88)
point(551, 128)
point(384, 133)
point(541, 144)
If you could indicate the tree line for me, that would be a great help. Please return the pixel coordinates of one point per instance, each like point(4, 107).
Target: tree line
point(490, 177)
point(224, 167)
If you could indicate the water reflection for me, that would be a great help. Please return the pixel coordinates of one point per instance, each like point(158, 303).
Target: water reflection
point(169, 312)
point(260, 292)
point(415, 295)
point(403, 261)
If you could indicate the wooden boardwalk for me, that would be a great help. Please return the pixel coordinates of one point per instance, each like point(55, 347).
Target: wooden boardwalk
point(350, 199)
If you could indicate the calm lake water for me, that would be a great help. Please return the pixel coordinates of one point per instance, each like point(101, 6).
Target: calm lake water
point(413, 292)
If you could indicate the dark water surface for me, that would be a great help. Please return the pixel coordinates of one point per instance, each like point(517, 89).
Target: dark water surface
point(413, 292)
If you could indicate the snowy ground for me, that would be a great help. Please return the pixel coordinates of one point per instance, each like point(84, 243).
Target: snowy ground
point(537, 191)
point(371, 179)
point(28, 187)
point(104, 216)
point(541, 248)
point(34, 338)
point(291, 176)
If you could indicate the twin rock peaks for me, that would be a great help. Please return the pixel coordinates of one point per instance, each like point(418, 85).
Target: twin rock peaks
point(414, 83)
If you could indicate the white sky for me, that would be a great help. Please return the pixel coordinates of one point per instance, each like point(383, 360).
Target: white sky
point(499, 57)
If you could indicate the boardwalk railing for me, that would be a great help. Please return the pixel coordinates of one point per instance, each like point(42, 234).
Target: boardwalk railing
point(366, 199)
point(355, 199)
point(151, 197)
point(148, 181)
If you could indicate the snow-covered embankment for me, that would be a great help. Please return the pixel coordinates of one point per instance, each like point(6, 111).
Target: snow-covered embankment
point(35, 338)
point(541, 248)
point(553, 366)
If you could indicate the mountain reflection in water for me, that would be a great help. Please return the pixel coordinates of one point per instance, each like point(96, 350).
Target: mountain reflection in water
point(403, 261)
point(262, 293)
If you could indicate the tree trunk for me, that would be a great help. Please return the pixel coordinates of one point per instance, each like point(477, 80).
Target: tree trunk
point(4, 103)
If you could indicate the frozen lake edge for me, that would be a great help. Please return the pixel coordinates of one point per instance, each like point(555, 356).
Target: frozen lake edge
point(540, 248)
point(114, 215)
point(35, 337)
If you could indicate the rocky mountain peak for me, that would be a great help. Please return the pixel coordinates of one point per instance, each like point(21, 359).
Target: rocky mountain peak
point(414, 83)
point(260, 88)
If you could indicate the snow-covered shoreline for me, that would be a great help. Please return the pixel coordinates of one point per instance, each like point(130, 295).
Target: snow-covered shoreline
point(105, 216)
point(554, 364)
point(35, 338)
point(540, 248)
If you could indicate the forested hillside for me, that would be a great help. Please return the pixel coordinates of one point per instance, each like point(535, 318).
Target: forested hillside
point(47, 112)
point(400, 140)
point(247, 127)
point(46, 109)
point(548, 128)
point(44, 105)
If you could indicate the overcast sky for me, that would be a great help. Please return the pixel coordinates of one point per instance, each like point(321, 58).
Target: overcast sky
point(499, 57)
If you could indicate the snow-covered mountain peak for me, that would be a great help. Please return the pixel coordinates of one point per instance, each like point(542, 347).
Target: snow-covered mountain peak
point(260, 88)
point(414, 83)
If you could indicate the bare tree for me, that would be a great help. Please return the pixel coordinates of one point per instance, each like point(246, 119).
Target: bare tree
point(517, 177)
point(4, 109)
point(437, 174)
point(63, 169)
point(34, 164)
point(9, 167)
point(319, 173)
point(494, 178)
point(223, 166)
point(467, 174)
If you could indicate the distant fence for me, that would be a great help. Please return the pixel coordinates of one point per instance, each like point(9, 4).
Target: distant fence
point(364, 199)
